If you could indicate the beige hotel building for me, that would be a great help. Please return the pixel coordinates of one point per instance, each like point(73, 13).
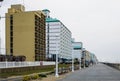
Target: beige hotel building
point(25, 33)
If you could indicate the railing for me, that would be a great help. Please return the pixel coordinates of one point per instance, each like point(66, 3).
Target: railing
point(114, 65)
point(24, 64)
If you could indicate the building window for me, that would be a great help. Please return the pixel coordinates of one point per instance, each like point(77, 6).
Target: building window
point(11, 44)
point(39, 38)
point(11, 33)
point(11, 39)
point(11, 27)
point(11, 51)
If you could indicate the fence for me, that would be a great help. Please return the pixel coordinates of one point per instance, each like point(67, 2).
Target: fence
point(24, 64)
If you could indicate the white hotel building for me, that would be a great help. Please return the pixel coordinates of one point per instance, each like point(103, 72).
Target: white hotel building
point(77, 49)
point(58, 38)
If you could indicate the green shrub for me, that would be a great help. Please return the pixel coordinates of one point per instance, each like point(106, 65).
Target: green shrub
point(42, 75)
point(26, 78)
point(36, 76)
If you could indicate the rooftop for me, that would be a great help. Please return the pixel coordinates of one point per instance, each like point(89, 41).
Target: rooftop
point(46, 10)
point(52, 20)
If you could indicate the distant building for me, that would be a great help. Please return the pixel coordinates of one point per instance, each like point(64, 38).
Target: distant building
point(25, 33)
point(77, 49)
point(88, 58)
point(58, 38)
point(93, 58)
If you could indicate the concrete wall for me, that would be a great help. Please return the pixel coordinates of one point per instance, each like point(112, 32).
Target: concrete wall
point(114, 65)
point(25, 69)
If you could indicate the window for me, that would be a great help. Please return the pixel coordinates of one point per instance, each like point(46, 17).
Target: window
point(11, 51)
point(11, 33)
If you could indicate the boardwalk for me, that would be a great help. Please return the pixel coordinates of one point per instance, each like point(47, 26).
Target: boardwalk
point(98, 72)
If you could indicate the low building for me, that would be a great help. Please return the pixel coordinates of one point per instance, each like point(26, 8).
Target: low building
point(77, 49)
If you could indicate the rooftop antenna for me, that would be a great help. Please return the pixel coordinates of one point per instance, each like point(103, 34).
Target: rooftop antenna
point(0, 29)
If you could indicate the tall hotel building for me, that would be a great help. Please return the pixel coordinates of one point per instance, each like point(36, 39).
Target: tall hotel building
point(25, 33)
point(58, 38)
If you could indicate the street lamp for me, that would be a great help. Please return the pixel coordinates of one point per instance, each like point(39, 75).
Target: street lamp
point(0, 44)
point(72, 63)
point(83, 56)
point(56, 73)
point(56, 69)
point(80, 59)
point(1, 17)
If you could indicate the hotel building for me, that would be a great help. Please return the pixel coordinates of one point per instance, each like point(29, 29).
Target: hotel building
point(58, 38)
point(25, 33)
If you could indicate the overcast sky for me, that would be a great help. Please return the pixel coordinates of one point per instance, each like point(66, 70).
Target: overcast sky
point(96, 23)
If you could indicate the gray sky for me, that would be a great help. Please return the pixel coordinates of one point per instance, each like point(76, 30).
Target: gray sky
point(96, 23)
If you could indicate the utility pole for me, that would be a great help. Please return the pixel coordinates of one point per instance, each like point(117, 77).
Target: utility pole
point(72, 63)
point(1, 37)
point(23, 2)
point(1, 2)
point(0, 30)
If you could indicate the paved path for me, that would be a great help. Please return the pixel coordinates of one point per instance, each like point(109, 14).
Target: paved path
point(98, 72)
